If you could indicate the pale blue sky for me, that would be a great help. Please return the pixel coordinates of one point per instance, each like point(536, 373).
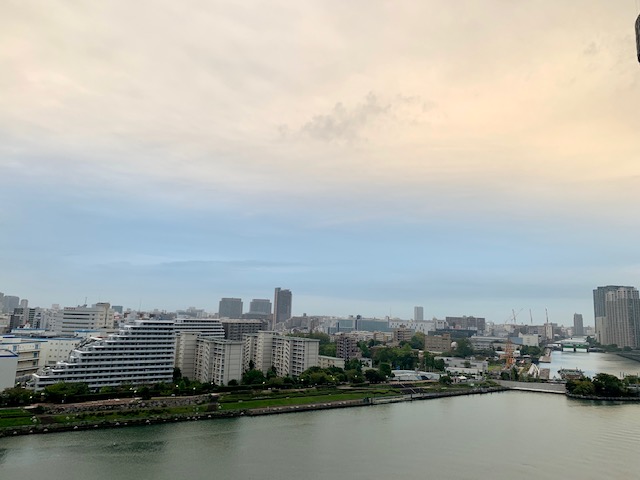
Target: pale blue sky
point(471, 158)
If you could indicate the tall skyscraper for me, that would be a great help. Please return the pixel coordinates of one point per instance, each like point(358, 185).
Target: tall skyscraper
point(281, 305)
point(578, 327)
point(230, 308)
point(620, 324)
point(418, 314)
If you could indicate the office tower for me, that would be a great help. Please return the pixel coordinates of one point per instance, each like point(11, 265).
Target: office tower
point(260, 305)
point(418, 314)
point(281, 306)
point(578, 327)
point(230, 308)
point(141, 353)
point(10, 303)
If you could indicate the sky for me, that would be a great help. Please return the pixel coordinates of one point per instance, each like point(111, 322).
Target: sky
point(470, 157)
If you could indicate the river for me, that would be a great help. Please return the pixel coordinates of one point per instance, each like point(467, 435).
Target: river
point(592, 363)
point(499, 436)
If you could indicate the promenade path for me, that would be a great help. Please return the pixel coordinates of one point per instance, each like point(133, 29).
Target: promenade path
point(557, 388)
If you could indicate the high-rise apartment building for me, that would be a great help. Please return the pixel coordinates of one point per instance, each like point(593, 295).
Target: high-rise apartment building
point(235, 329)
point(418, 314)
point(230, 308)
point(619, 322)
point(281, 306)
point(578, 326)
point(260, 305)
point(288, 355)
point(218, 361)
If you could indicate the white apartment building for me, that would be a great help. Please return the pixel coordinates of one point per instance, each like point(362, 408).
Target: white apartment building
point(28, 351)
point(141, 353)
point(288, 355)
point(8, 367)
point(58, 349)
point(188, 330)
point(218, 361)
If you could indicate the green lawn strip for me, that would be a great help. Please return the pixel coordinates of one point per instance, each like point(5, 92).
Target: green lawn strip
point(15, 422)
point(275, 402)
point(124, 415)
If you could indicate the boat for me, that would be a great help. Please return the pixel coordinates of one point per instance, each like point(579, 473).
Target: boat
point(570, 373)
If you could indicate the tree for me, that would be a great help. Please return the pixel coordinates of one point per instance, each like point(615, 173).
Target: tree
point(253, 377)
point(385, 369)
point(417, 341)
point(353, 364)
point(16, 396)
point(464, 348)
point(177, 375)
point(445, 380)
point(608, 385)
point(374, 376)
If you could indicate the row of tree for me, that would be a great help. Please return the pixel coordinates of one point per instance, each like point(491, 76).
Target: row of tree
point(604, 385)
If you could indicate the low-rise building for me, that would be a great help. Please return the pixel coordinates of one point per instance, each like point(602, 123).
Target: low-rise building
point(437, 343)
point(328, 362)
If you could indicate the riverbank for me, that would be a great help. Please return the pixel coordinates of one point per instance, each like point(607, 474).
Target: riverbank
point(111, 417)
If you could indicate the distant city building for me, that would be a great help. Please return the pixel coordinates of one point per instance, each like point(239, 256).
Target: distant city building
point(282, 303)
point(70, 319)
point(466, 323)
point(418, 314)
point(118, 308)
point(230, 308)
point(141, 353)
point(235, 329)
point(402, 335)
point(437, 343)
point(260, 306)
point(347, 347)
point(10, 303)
point(578, 327)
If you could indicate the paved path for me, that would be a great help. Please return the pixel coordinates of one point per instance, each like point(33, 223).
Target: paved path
point(557, 388)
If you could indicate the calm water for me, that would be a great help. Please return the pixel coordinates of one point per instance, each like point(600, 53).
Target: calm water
point(592, 363)
point(500, 436)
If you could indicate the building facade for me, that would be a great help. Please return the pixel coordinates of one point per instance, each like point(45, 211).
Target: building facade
point(617, 311)
point(141, 353)
point(578, 325)
point(282, 302)
point(230, 308)
point(418, 314)
point(289, 356)
point(218, 361)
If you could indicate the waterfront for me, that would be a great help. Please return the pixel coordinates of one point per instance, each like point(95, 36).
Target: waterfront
point(495, 436)
point(591, 363)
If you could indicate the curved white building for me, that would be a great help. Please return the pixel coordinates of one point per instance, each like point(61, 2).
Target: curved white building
point(141, 353)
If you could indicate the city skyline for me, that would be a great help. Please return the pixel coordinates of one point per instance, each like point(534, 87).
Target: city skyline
point(469, 158)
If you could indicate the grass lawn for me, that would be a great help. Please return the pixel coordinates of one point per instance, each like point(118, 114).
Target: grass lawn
point(276, 402)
